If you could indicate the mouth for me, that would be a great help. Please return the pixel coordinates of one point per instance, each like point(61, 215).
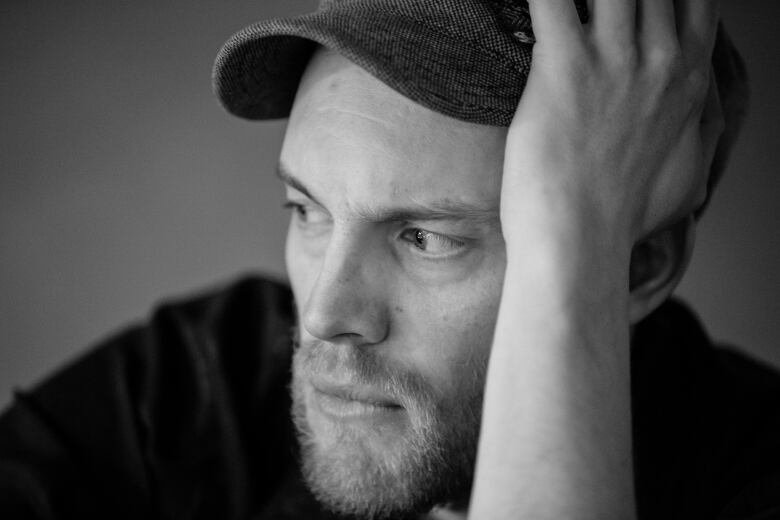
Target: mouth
point(346, 402)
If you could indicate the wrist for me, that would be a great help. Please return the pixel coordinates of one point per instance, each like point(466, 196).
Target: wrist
point(558, 188)
point(556, 236)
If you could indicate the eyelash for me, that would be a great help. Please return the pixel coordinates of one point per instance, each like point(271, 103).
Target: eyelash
point(300, 211)
point(415, 235)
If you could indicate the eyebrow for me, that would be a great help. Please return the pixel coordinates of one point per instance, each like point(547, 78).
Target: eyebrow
point(289, 179)
point(437, 210)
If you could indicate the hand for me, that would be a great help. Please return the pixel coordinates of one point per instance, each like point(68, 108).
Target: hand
point(619, 117)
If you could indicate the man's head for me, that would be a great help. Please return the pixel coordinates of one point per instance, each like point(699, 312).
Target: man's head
point(396, 260)
point(394, 250)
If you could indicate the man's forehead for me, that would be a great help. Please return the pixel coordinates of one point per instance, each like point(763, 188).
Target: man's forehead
point(329, 76)
point(333, 83)
point(352, 136)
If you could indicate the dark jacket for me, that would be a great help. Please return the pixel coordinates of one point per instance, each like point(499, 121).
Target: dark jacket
point(187, 416)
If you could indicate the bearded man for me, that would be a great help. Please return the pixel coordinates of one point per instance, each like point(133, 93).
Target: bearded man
point(481, 254)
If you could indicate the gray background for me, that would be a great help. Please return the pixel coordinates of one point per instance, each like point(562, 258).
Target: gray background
point(122, 181)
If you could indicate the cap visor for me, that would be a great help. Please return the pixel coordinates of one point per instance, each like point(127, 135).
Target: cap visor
point(257, 71)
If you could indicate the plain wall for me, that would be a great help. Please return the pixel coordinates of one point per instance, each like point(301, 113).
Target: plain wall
point(122, 181)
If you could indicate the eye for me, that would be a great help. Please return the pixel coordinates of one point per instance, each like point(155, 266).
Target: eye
point(299, 210)
point(431, 243)
point(306, 214)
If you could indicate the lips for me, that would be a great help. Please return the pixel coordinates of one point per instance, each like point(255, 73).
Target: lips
point(354, 394)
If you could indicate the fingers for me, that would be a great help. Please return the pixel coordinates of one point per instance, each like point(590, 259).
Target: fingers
point(614, 20)
point(661, 34)
point(657, 24)
point(555, 21)
point(697, 22)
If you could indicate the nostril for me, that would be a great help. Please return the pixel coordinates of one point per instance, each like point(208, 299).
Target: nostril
point(345, 315)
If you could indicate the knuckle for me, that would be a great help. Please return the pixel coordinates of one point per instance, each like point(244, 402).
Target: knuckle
point(664, 59)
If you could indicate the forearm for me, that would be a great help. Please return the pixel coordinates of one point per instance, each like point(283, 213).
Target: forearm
point(606, 148)
point(556, 427)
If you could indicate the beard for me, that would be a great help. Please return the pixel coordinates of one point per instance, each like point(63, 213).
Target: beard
point(395, 472)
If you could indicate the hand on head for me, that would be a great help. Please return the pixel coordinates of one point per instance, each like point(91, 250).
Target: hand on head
point(620, 116)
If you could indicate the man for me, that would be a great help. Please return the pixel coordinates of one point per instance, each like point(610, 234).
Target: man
point(479, 285)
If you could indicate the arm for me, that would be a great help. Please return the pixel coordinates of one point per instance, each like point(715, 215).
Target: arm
point(607, 146)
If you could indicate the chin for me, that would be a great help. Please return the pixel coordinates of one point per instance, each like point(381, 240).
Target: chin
point(382, 464)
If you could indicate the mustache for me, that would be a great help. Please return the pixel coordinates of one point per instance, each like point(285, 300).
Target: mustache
point(361, 366)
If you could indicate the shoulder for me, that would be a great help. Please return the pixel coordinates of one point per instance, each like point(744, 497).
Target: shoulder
point(707, 422)
point(186, 349)
point(159, 411)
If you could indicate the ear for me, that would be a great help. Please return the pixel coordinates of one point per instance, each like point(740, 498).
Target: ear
point(658, 262)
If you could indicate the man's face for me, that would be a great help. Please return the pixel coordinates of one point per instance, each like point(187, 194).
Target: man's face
point(396, 261)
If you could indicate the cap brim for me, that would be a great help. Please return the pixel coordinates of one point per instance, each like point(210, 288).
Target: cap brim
point(257, 71)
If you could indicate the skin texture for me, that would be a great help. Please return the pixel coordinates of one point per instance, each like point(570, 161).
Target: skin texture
point(382, 306)
point(422, 250)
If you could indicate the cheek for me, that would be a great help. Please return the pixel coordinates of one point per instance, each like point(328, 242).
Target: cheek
point(449, 337)
point(302, 268)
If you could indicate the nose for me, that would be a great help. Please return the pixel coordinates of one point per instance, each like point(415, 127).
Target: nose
point(347, 300)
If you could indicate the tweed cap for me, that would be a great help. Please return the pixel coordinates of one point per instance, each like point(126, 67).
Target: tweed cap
point(468, 59)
